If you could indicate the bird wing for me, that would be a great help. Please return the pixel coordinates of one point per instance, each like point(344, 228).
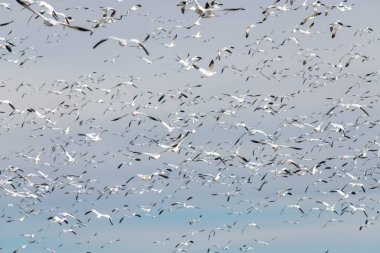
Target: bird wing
point(79, 28)
point(100, 42)
point(144, 48)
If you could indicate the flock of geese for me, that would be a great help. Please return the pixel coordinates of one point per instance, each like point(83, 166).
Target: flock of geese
point(231, 151)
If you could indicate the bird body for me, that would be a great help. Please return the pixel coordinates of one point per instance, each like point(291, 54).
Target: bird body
point(122, 42)
point(99, 215)
point(206, 72)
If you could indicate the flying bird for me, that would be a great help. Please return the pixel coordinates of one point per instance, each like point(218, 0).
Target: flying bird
point(123, 42)
point(335, 26)
point(8, 102)
point(206, 72)
point(100, 215)
point(49, 21)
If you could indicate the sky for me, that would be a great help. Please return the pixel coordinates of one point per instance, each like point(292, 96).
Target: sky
point(247, 159)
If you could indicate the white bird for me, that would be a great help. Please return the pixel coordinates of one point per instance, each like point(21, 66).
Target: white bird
point(7, 47)
point(292, 207)
point(183, 4)
point(188, 62)
point(248, 30)
point(265, 243)
point(205, 12)
point(275, 146)
point(354, 105)
point(132, 8)
point(144, 177)
point(354, 178)
point(8, 102)
point(335, 26)
point(69, 157)
point(317, 128)
point(100, 215)
point(154, 156)
point(56, 219)
point(331, 220)
point(49, 21)
point(250, 225)
point(355, 185)
point(341, 193)
point(37, 158)
point(172, 42)
point(170, 128)
point(5, 5)
point(195, 36)
point(70, 230)
point(206, 72)
point(174, 147)
point(150, 61)
point(328, 207)
point(49, 8)
point(208, 10)
point(92, 136)
point(124, 42)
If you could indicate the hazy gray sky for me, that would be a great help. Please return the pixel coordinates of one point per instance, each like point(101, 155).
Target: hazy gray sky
point(287, 83)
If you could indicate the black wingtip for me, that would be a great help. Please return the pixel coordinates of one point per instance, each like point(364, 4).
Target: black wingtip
point(143, 47)
point(82, 29)
point(9, 48)
point(100, 42)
